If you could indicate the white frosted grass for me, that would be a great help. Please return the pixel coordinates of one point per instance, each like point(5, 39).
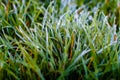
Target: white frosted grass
point(113, 34)
point(64, 3)
point(23, 33)
point(44, 19)
point(60, 19)
point(46, 37)
point(101, 50)
point(81, 55)
point(15, 8)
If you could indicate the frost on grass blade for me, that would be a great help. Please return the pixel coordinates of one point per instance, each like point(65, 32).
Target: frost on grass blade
point(81, 55)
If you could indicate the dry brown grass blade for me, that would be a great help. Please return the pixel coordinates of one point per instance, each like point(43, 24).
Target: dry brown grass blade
point(71, 46)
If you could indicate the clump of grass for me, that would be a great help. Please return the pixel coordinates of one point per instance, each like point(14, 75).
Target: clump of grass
point(57, 46)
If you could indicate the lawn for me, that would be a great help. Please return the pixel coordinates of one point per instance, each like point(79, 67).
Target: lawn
point(59, 39)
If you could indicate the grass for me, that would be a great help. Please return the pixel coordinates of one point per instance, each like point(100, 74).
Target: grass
point(39, 43)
